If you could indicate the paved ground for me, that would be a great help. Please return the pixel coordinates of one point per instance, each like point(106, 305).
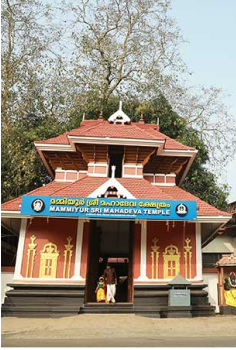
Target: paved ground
point(119, 331)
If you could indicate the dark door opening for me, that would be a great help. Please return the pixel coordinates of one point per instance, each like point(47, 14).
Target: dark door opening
point(116, 154)
point(111, 241)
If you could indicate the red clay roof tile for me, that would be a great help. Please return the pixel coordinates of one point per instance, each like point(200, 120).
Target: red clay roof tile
point(101, 128)
point(139, 188)
point(227, 260)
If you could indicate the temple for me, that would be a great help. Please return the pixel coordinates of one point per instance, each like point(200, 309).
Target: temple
point(115, 197)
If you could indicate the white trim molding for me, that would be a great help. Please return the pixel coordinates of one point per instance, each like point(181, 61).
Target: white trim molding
point(55, 281)
point(20, 250)
point(112, 182)
point(13, 214)
point(55, 147)
point(198, 252)
point(213, 219)
point(114, 141)
point(178, 152)
point(78, 254)
point(143, 253)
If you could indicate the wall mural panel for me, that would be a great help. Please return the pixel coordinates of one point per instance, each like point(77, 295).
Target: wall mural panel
point(31, 256)
point(48, 261)
point(155, 258)
point(45, 245)
point(188, 258)
point(68, 252)
point(171, 262)
point(171, 248)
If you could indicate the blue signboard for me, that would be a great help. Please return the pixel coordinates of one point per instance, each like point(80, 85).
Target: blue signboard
point(112, 208)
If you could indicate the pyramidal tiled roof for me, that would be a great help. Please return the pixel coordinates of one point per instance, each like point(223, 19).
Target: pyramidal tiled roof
point(100, 128)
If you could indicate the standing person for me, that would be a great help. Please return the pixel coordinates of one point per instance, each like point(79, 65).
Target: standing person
point(100, 290)
point(111, 282)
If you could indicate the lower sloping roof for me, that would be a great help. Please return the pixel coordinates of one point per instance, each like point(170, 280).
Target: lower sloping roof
point(227, 260)
point(140, 189)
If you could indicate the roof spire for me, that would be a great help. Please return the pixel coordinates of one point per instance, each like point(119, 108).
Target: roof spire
point(141, 120)
point(119, 117)
point(100, 115)
point(83, 117)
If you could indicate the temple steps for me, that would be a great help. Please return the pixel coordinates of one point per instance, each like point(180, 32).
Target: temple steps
point(40, 311)
point(227, 310)
point(35, 300)
point(116, 308)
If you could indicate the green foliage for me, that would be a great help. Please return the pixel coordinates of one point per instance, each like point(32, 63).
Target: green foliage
point(202, 183)
point(199, 181)
point(22, 168)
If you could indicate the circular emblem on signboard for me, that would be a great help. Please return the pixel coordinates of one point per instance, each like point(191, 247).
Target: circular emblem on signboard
point(38, 205)
point(181, 209)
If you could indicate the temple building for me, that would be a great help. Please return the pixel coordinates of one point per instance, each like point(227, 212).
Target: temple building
point(115, 198)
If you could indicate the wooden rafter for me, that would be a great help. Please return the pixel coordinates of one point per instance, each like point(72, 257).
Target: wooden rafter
point(83, 154)
point(146, 159)
point(137, 154)
point(171, 165)
point(178, 170)
point(72, 161)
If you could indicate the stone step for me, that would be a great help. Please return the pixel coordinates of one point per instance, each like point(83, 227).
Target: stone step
point(39, 311)
point(96, 308)
point(108, 305)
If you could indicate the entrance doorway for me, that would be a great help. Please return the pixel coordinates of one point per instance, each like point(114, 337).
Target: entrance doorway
point(111, 242)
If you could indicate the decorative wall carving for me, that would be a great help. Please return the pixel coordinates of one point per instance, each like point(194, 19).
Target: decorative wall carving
point(188, 258)
point(171, 262)
point(68, 252)
point(155, 258)
point(31, 256)
point(48, 261)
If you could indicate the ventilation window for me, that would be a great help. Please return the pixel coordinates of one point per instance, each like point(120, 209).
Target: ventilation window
point(116, 154)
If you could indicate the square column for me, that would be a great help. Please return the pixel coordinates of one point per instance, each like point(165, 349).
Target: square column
point(143, 253)
point(78, 255)
point(20, 250)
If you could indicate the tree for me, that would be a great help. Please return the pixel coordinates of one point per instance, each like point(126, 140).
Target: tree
point(199, 181)
point(130, 48)
point(27, 105)
point(118, 44)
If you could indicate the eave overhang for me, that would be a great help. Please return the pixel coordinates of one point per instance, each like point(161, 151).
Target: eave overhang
point(73, 140)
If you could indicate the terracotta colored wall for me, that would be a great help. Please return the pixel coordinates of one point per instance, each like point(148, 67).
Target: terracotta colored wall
point(71, 176)
point(59, 175)
point(84, 254)
point(175, 236)
point(137, 251)
point(170, 179)
point(149, 178)
point(129, 171)
point(55, 231)
point(82, 175)
point(100, 170)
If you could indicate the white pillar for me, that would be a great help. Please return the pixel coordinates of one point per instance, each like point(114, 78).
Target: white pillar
point(20, 250)
point(198, 252)
point(78, 254)
point(143, 257)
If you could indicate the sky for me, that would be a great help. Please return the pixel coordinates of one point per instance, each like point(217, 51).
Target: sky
point(209, 26)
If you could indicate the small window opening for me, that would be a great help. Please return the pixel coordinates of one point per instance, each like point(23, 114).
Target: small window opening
point(116, 154)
